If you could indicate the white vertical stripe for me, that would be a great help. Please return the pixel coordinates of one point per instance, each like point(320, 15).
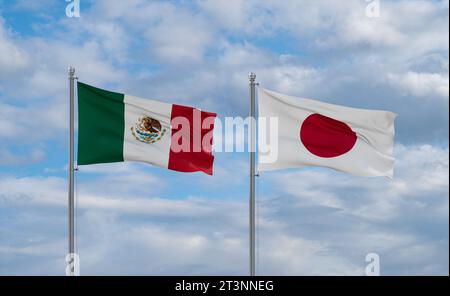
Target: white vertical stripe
point(156, 153)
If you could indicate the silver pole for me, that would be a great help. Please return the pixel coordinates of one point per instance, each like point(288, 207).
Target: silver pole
point(252, 77)
point(71, 171)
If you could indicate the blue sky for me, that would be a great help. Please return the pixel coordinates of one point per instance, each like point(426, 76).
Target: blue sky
point(136, 219)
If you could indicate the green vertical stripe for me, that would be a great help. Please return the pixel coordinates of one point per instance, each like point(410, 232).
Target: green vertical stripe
point(101, 125)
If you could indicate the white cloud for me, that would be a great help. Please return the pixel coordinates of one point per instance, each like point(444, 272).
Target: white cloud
point(355, 216)
point(237, 16)
point(34, 107)
point(421, 84)
point(379, 199)
point(129, 191)
point(345, 23)
point(179, 38)
point(325, 224)
point(31, 123)
point(13, 59)
point(34, 5)
point(172, 33)
point(311, 221)
point(8, 157)
point(53, 59)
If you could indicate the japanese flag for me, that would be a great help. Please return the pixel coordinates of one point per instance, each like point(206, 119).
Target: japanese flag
point(313, 133)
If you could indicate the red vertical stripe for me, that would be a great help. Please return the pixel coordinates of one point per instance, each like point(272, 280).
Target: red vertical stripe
point(198, 156)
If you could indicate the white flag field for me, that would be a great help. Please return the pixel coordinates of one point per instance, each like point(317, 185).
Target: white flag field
point(313, 133)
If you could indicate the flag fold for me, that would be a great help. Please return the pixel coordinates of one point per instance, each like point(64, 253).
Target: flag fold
point(115, 127)
point(313, 133)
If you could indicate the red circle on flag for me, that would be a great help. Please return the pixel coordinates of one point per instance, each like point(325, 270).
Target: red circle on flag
point(326, 137)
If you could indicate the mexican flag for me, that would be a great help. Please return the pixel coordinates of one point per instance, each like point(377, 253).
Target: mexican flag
point(115, 127)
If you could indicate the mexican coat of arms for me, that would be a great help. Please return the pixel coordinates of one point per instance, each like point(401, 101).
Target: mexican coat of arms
point(148, 130)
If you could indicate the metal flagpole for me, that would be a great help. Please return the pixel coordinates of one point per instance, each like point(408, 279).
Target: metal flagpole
point(252, 77)
point(71, 175)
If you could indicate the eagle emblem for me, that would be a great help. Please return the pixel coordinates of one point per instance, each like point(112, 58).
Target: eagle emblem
point(148, 130)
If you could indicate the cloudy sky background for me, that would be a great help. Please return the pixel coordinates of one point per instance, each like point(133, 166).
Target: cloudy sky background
point(138, 220)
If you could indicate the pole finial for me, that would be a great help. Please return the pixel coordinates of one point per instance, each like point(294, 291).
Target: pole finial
point(71, 71)
point(252, 77)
